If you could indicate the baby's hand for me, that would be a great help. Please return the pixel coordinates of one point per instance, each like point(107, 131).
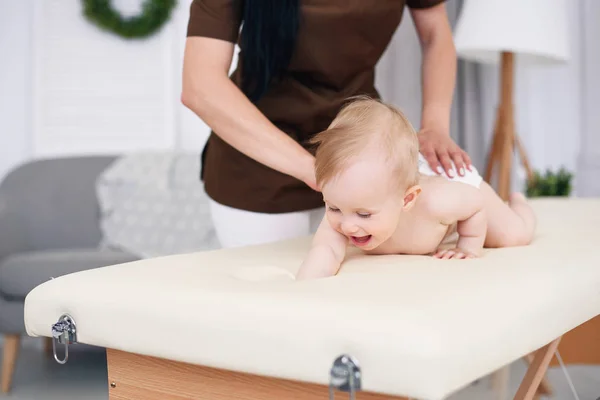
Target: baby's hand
point(457, 253)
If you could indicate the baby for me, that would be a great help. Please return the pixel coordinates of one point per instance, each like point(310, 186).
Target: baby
point(381, 196)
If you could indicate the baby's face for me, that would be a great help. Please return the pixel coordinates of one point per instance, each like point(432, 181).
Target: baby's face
point(363, 204)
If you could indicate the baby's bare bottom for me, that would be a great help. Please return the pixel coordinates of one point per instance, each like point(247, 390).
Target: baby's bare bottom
point(511, 224)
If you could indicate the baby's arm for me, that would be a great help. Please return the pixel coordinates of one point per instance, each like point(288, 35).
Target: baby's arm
point(326, 253)
point(465, 205)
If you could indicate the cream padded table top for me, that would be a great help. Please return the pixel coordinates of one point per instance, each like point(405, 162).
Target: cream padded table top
point(418, 326)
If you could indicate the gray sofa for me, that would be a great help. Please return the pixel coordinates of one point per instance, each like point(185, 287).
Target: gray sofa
point(49, 226)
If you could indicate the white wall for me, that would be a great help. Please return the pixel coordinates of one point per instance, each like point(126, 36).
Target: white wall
point(69, 88)
point(94, 92)
point(588, 161)
point(549, 102)
point(15, 71)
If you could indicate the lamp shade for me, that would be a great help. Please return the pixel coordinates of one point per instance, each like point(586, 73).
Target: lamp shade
point(535, 30)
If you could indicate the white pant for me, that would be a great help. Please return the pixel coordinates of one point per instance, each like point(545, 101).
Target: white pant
point(237, 227)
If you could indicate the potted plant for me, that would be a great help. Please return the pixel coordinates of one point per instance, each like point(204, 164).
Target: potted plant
point(551, 184)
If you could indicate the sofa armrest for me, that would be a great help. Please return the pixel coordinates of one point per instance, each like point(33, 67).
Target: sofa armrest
point(51, 204)
point(12, 235)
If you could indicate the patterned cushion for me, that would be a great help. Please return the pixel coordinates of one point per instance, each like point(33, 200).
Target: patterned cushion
point(153, 204)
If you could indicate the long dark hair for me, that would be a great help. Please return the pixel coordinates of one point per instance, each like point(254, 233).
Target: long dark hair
point(267, 42)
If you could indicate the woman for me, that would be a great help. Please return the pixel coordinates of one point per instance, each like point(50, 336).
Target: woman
point(299, 61)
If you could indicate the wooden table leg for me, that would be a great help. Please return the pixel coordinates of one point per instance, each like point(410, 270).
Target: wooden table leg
point(536, 371)
point(545, 387)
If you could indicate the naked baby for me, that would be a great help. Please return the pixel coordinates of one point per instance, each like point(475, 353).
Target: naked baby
point(382, 197)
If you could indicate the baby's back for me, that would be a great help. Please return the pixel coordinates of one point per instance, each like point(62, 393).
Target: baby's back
point(420, 230)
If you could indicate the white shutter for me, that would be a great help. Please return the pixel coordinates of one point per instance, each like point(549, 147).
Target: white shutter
point(95, 92)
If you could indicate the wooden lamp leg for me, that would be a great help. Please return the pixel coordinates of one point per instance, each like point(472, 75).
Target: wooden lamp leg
point(505, 128)
point(505, 140)
point(524, 158)
point(494, 152)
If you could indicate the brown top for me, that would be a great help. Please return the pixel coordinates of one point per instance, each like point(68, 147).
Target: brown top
point(338, 46)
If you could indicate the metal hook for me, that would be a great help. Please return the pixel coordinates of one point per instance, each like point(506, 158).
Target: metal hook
point(63, 332)
point(54, 340)
point(345, 376)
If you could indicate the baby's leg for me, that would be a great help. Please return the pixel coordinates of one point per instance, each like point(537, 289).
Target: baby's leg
point(511, 224)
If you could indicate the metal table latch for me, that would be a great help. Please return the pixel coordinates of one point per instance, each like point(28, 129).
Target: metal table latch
point(345, 376)
point(64, 332)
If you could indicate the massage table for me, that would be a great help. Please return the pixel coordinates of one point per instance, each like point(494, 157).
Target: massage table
point(234, 324)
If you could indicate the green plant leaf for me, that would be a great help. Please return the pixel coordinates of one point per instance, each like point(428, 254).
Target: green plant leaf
point(154, 14)
point(550, 183)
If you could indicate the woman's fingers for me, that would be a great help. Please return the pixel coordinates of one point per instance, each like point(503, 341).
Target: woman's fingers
point(432, 160)
point(443, 155)
point(467, 160)
point(446, 162)
point(454, 163)
point(459, 162)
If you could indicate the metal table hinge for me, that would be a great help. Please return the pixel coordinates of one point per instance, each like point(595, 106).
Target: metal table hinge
point(345, 376)
point(64, 332)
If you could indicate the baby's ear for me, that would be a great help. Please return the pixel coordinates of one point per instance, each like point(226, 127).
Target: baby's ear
point(410, 196)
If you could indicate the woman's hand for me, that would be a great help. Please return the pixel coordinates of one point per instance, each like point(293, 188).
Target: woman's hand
point(438, 81)
point(439, 150)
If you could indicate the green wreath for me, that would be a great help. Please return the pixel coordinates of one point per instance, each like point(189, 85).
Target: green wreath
point(153, 16)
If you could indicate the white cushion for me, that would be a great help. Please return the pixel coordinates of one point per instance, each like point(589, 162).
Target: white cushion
point(152, 204)
point(418, 326)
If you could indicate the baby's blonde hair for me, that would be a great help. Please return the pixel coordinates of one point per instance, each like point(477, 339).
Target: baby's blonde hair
point(366, 124)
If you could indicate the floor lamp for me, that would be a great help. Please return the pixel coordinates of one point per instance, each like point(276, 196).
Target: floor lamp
point(502, 32)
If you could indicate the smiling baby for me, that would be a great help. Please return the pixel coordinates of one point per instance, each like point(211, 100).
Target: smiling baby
point(382, 197)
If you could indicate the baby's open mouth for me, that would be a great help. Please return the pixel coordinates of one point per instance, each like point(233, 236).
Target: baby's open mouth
point(360, 240)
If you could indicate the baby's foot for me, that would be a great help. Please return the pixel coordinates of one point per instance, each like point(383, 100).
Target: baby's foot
point(517, 197)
